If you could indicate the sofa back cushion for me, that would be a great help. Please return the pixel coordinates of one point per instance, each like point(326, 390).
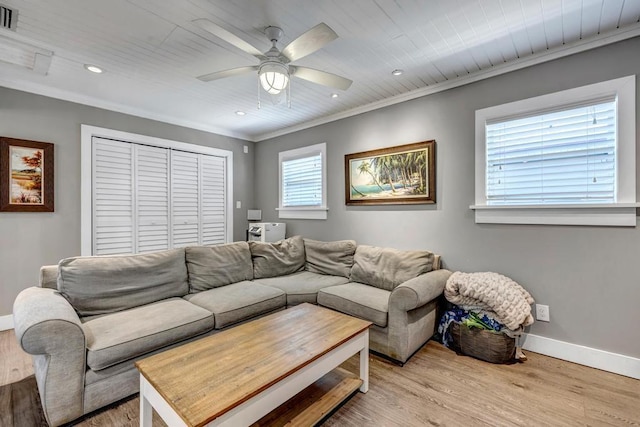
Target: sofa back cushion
point(278, 258)
point(106, 284)
point(333, 258)
point(214, 266)
point(49, 276)
point(387, 268)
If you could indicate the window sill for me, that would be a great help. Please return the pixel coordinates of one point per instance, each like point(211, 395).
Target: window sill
point(614, 215)
point(302, 213)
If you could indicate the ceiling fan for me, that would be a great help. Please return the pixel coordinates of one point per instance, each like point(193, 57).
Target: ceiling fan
point(275, 69)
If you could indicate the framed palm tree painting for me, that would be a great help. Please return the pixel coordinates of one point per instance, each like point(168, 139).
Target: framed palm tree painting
point(404, 174)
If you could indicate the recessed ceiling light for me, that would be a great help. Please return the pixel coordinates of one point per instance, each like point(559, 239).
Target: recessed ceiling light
point(397, 72)
point(334, 95)
point(93, 68)
point(240, 113)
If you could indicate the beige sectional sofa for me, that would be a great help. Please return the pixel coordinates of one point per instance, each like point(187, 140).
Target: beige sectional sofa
point(92, 317)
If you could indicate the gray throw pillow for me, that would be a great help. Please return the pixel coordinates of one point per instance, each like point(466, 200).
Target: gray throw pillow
point(277, 258)
point(334, 258)
point(214, 266)
point(106, 284)
point(387, 268)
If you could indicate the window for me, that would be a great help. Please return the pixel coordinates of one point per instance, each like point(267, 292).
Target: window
point(303, 180)
point(142, 194)
point(563, 158)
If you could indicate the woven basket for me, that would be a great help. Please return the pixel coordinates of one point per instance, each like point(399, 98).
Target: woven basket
point(490, 346)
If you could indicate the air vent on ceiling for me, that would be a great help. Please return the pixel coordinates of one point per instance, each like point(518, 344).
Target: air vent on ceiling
point(8, 18)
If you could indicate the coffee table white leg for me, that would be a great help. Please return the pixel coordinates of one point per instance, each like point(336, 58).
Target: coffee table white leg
point(364, 364)
point(146, 411)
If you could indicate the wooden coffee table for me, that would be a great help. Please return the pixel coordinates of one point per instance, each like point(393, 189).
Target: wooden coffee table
point(242, 374)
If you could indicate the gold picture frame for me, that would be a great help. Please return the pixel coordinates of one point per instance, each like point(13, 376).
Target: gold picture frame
point(26, 176)
point(404, 174)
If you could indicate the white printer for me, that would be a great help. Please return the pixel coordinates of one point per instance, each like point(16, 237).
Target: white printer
point(267, 231)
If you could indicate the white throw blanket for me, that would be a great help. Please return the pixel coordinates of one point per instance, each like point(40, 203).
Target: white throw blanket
point(496, 295)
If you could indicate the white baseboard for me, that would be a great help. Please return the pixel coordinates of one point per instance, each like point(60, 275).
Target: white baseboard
point(600, 359)
point(6, 322)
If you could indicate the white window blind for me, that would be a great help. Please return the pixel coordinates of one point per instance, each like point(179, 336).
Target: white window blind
point(563, 158)
point(302, 174)
point(302, 181)
point(148, 198)
point(558, 157)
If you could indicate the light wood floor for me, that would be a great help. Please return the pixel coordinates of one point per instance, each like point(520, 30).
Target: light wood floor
point(435, 388)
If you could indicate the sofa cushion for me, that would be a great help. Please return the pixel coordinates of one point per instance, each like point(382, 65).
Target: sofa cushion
point(213, 266)
point(334, 258)
point(356, 299)
point(116, 337)
point(302, 286)
point(239, 301)
point(49, 276)
point(386, 268)
point(278, 258)
point(106, 284)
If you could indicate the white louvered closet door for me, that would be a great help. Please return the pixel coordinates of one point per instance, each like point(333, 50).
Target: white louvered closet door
point(113, 204)
point(152, 198)
point(213, 200)
point(185, 191)
point(148, 198)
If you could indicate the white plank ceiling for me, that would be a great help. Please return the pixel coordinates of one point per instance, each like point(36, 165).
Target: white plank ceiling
point(152, 51)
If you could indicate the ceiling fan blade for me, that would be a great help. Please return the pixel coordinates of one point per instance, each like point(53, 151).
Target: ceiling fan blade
point(321, 77)
point(230, 38)
point(309, 42)
point(227, 73)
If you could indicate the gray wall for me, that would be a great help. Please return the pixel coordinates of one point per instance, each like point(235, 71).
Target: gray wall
point(589, 276)
point(29, 240)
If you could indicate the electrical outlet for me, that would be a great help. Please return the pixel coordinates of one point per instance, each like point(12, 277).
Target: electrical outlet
point(542, 313)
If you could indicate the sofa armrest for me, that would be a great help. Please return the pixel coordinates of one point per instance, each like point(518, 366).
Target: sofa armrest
point(37, 309)
point(412, 313)
point(47, 327)
point(420, 290)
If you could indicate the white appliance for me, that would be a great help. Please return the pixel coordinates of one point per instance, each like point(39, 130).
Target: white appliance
point(267, 231)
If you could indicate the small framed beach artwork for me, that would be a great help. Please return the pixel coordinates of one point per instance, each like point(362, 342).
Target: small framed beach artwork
point(26, 176)
point(404, 174)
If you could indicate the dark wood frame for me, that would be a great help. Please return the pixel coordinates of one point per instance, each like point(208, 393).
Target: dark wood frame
point(429, 147)
point(5, 176)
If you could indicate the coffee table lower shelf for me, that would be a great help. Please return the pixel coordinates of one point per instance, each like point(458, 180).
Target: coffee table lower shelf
point(313, 404)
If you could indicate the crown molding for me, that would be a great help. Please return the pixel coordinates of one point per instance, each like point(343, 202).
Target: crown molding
point(90, 101)
point(496, 70)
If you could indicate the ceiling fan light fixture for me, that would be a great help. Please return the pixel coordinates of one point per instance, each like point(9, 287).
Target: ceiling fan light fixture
point(274, 77)
point(274, 72)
